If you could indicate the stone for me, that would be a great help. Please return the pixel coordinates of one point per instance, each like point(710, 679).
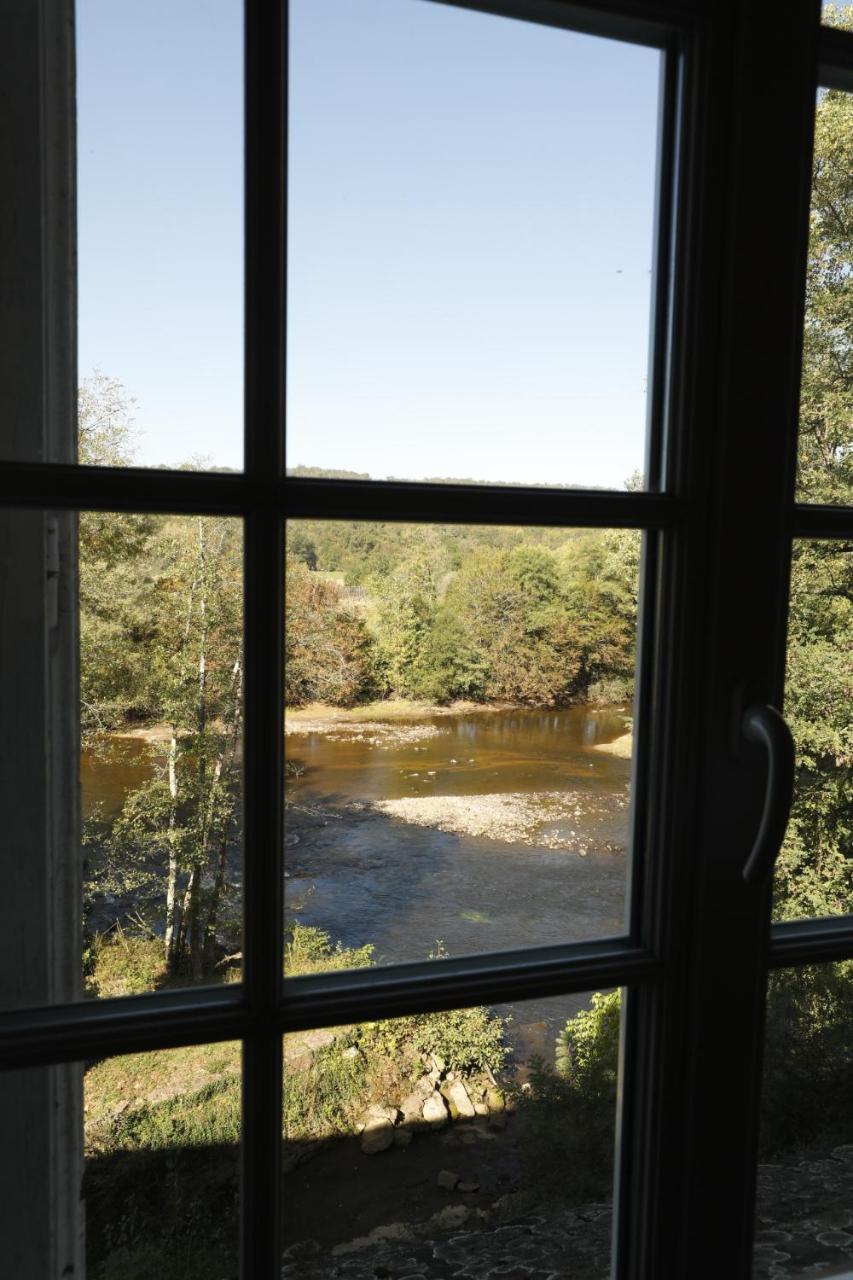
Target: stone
point(352, 1052)
point(481, 1108)
point(376, 1137)
point(315, 1040)
point(447, 1179)
point(414, 1101)
point(495, 1100)
point(402, 1137)
point(468, 1186)
point(450, 1217)
point(438, 1063)
point(434, 1111)
point(458, 1096)
point(381, 1111)
point(835, 1239)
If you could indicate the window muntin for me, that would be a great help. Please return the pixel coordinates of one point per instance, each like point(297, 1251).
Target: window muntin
point(471, 266)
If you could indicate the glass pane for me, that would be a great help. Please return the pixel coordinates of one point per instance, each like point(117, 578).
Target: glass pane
point(834, 15)
point(825, 472)
point(160, 232)
point(472, 1143)
point(161, 681)
point(124, 1169)
point(459, 735)
point(805, 1178)
point(162, 1136)
point(814, 871)
point(470, 246)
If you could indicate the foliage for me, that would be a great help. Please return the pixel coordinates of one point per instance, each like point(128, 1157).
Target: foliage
point(569, 1112)
point(327, 1096)
point(310, 950)
point(123, 964)
point(807, 1094)
point(161, 640)
point(328, 655)
point(442, 612)
point(467, 1039)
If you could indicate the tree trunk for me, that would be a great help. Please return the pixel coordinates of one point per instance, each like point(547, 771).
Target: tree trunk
point(224, 764)
point(172, 885)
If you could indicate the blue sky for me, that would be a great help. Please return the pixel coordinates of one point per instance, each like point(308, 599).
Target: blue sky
point(470, 236)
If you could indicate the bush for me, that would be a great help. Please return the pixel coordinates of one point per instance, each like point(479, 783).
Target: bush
point(569, 1112)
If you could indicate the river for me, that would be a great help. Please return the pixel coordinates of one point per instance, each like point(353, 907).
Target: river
point(533, 850)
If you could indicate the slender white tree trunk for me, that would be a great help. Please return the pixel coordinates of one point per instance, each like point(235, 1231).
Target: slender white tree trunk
point(172, 885)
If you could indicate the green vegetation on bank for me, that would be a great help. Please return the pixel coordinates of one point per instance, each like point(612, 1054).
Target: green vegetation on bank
point(543, 617)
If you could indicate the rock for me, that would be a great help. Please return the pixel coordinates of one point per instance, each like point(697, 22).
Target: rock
point(434, 1111)
point(438, 1063)
point(393, 1231)
point(379, 1136)
point(468, 1186)
point(352, 1052)
point(481, 1108)
point(495, 1099)
point(315, 1040)
point(381, 1111)
point(451, 1216)
point(414, 1101)
point(458, 1096)
point(447, 1180)
point(402, 1137)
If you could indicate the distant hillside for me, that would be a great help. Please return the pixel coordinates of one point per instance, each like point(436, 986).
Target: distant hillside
point(326, 473)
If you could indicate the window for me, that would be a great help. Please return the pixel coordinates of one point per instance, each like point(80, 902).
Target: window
point(719, 516)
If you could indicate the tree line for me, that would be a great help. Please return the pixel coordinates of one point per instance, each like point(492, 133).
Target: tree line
point(444, 612)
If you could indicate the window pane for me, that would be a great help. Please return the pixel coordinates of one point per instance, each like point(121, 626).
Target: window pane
point(826, 401)
point(160, 231)
point(814, 871)
point(161, 676)
point(473, 1143)
point(162, 1137)
point(834, 15)
point(470, 246)
point(805, 1178)
point(459, 735)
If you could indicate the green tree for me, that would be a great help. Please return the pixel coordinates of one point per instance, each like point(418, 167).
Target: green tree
point(328, 655)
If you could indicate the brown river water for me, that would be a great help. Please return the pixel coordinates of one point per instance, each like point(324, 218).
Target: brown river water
point(487, 881)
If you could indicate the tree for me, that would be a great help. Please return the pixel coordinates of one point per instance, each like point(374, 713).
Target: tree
point(815, 869)
point(328, 654)
point(171, 651)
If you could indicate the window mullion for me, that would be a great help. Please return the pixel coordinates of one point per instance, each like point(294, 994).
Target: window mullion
point(266, 63)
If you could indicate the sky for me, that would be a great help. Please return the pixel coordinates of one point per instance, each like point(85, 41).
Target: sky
point(469, 246)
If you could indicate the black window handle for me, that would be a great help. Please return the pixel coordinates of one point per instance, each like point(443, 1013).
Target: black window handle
point(765, 725)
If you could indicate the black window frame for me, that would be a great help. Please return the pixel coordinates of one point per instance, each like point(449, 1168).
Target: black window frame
point(700, 47)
